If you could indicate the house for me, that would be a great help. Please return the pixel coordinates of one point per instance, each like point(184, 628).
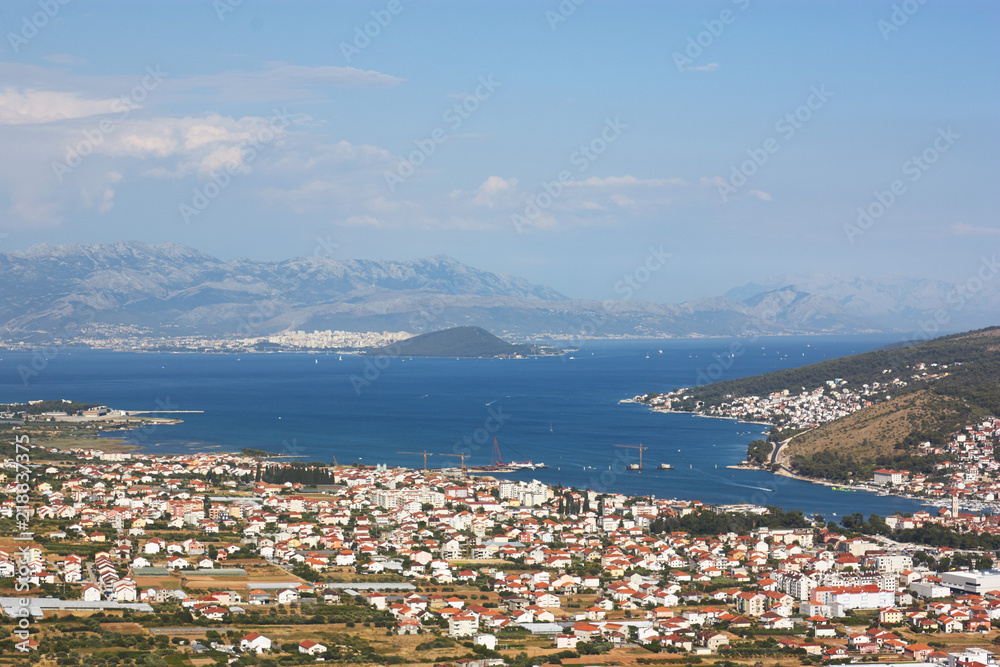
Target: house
point(258, 596)
point(918, 652)
point(311, 647)
point(91, 593)
point(255, 642)
point(712, 640)
point(287, 596)
point(408, 626)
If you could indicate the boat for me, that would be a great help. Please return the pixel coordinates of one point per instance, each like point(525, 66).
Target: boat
point(634, 466)
point(666, 466)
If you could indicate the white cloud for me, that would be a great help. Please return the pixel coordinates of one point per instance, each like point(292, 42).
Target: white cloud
point(761, 195)
point(627, 180)
point(44, 106)
point(196, 145)
point(494, 190)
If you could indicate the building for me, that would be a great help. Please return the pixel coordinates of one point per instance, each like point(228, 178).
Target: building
point(854, 597)
point(256, 643)
point(889, 477)
point(971, 581)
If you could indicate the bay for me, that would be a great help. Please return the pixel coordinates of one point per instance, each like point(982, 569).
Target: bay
point(563, 411)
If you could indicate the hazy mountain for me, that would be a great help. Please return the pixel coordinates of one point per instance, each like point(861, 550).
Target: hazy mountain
point(64, 291)
point(885, 303)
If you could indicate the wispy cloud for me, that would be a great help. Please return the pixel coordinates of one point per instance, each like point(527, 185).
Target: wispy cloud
point(64, 59)
point(20, 107)
point(972, 230)
point(710, 67)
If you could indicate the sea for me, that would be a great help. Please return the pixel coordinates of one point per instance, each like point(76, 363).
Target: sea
point(562, 411)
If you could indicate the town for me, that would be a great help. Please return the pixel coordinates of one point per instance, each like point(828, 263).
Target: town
point(806, 409)
point(235, 557)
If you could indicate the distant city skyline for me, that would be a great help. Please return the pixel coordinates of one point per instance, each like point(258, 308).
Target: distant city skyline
point(690, 148)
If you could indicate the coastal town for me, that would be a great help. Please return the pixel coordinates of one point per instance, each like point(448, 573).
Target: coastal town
point(240, 559)
point(133, 338)
point(807, 409)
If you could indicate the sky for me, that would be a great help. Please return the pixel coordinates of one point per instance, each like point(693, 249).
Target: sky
point(694, 146)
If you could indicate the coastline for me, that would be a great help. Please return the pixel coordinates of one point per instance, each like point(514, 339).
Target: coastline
point(782, 469)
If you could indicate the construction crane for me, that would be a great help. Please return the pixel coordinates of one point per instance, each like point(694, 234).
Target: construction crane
point(424, 453)
point(640, 448)
point(462, 455)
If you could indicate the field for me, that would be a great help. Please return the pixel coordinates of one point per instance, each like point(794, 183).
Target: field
point(876, 430)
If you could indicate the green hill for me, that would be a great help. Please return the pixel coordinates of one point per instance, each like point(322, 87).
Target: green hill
point(927, 391)
point(461, 342)
point(973, 373)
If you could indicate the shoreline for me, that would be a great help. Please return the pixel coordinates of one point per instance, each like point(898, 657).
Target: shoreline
point(782, 469)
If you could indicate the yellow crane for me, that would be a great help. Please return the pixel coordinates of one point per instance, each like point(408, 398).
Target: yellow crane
point(639, 447)
point(424, 453)
point(462, 455)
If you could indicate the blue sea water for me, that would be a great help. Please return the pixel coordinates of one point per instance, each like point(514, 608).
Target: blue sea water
point(563, 411)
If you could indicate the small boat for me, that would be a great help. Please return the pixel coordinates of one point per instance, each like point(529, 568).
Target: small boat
point(634, 466)
point(666, 466)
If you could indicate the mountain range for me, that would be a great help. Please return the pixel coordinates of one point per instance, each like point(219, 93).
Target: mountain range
point(101, 290)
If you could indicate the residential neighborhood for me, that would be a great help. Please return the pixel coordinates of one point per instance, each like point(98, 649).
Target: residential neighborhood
point(207, 541)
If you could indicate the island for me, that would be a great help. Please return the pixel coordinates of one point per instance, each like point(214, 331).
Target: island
point(468, 341)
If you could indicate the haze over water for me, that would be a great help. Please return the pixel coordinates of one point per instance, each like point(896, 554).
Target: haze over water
point(561, 411)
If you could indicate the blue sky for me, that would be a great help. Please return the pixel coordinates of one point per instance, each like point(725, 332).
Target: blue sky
point(250, 129)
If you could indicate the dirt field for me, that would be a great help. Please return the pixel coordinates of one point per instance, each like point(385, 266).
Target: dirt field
point(883, 426)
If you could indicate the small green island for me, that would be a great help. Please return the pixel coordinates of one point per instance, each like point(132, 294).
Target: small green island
point(468, 341)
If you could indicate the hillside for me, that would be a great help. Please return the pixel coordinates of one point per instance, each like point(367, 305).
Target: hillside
point(461, 342)
point(969, 365)
point(852, 413)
